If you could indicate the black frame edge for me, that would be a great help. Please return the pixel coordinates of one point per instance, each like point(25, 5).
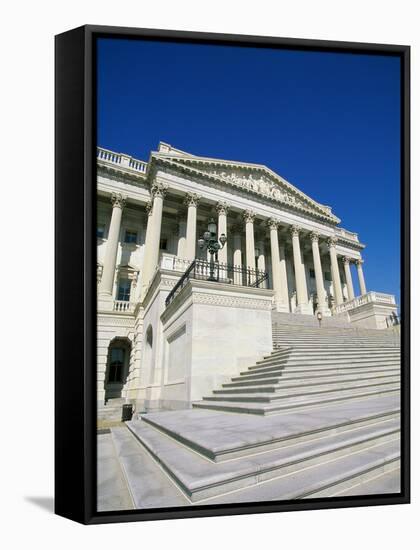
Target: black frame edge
point(70, 426)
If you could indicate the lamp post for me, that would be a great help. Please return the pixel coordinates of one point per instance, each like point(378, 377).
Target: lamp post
point(210, 241)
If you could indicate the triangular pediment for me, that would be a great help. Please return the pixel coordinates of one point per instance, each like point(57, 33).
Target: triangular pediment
point(252, 178)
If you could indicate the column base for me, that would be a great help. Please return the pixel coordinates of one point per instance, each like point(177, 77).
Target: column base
point(282, 307)
point(304, 309)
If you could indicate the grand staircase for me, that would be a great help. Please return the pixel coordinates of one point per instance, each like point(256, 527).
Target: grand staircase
point(313, 366)
point(317, 417)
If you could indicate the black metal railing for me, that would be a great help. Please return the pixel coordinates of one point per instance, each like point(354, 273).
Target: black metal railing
point(393, 320)
point(203, 270)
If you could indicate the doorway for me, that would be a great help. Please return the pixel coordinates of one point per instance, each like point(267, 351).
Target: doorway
point(117, 368)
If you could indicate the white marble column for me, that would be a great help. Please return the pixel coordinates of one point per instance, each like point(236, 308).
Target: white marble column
point(108, 271)
point(283, 279)
point(191, 200)
point(182, 237)
point(301, 288)
point(361, 277)
point(349, 282)
point(237, 254)
point(319, 278)
point(335, 272)
point(222, 210)
point(261, 260)
point(278, 270)
point(148, 232)
point(249, 218)
point(154, 224)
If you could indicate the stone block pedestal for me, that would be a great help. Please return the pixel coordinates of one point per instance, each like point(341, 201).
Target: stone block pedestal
point(211, 332)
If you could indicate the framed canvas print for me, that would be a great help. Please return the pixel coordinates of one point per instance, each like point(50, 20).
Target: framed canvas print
point(232, 274)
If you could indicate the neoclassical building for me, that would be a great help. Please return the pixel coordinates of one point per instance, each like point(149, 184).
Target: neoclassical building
point(166, 338)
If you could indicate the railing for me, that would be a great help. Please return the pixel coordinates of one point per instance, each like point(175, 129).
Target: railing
point(377, 297)
point(393, 320)
point(203, 270)
point(123, 306)
point(121, 159)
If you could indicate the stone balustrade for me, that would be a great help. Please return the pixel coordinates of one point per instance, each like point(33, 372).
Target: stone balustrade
point(174, 263)
point(123, 306)
point(370, 297)
point(126, 161)
point(349, 235)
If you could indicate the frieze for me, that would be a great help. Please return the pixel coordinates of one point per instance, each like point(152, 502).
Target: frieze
point(114, 320)
point(230, 301)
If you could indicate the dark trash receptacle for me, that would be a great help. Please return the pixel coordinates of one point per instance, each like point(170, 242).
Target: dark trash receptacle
point(127, 412)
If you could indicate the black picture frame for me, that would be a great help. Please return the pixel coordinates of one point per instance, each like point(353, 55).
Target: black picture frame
point(75, 274)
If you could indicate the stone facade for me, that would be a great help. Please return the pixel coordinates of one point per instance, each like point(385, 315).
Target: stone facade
point(150, 216)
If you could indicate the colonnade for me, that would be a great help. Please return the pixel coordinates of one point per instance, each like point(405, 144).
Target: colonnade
point(187, 250)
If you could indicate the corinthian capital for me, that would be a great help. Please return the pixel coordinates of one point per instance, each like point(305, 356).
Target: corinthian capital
point(159, 189)
point(359, 262)
point(314, 235)
point(332, 242)
point(118, 200)
point(272, 223)
point(222, 208)
point(191, 199)
point(295, 230)
point(346, 260)
point(248, 216)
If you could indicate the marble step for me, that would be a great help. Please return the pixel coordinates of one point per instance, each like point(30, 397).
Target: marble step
point(316, 329)
point(221, 436)
point(112, 489)
point(311, 386)
point(288, 405)
point(317, 350)
point(326, 360)
point(383, 483)
point(318, 364)
point(285, 376)
point(327, 333)
point(298, 395)
point(199, 478)
point(332, 369)
point(314, 482)
point(149, 487)
point(334, 338)
point(279, 345)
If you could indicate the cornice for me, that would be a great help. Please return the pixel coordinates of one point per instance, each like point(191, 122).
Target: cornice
point(129, 176)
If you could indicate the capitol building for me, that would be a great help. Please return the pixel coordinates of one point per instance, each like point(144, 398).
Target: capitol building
point(175, 321)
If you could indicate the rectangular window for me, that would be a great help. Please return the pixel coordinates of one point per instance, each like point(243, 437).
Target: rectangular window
point(100, 231)
point(312, 273)
point(124, 287)
point(116, 365)
point(130, 237)
point(327, 276)
point(163, 243)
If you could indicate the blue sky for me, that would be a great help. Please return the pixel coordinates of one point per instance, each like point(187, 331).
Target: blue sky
point(327, 122)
